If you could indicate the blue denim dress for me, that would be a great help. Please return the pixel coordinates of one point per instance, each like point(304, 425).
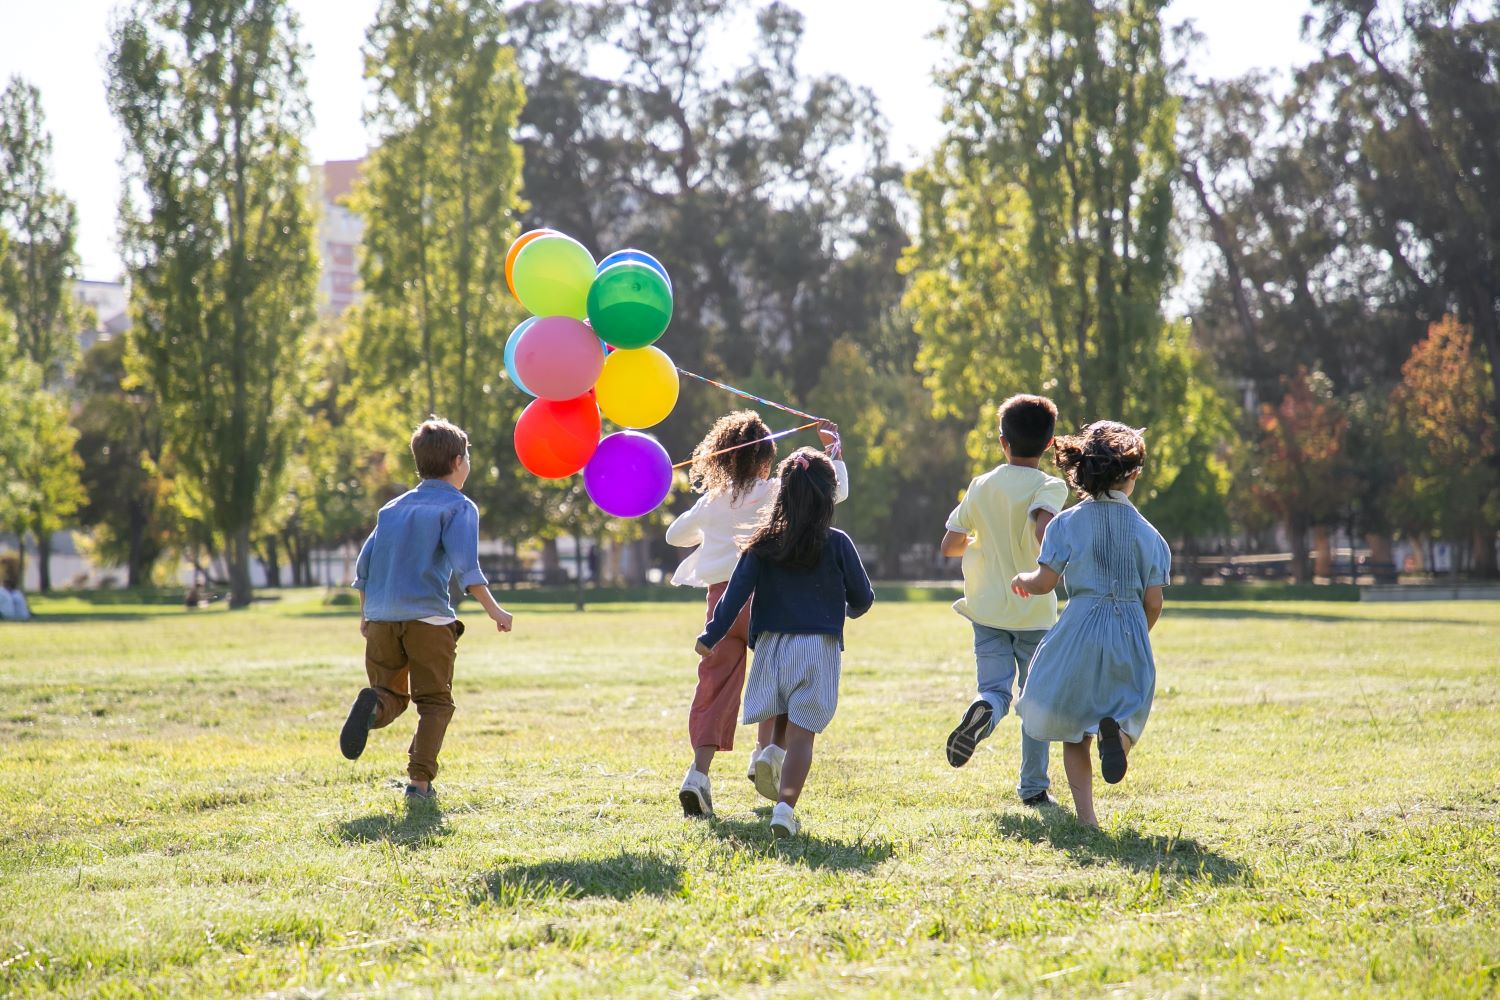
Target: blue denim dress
point(1096, 661)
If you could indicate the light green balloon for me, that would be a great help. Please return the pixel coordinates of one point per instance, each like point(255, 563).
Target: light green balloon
point(552, 276)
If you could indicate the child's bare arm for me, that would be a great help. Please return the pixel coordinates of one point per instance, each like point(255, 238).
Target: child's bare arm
point(955, 543)
point(363, 625)
point(1152, 600)
point(1041, 580)
point(498, 615)
point(1042, 519)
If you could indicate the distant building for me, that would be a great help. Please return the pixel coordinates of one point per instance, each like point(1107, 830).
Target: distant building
point(111, 316)
point(339, 233)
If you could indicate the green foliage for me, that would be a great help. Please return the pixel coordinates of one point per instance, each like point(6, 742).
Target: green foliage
point(39, 486)
point(217, 232)
point(38, 260)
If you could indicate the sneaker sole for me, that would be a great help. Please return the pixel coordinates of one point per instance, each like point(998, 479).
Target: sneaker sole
point(693, 804)
point(767, 781)
point(356, 731)
point(963, 740)
point(1112, 760)
point(782, 832)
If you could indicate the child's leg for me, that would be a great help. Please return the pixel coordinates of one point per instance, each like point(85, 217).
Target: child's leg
point(995, 656)
point(716, 700)
point(1034, 753)
point(1080, 770)
point(765, 734)
point(778, 726)
point(432, 649)
point(799, 753)
point(386, 667)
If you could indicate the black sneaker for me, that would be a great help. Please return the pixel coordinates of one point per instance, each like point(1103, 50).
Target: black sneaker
point(1111, 751)
point(963, 740)
point(415, 795)
point(357, 727)
point(1041, 800)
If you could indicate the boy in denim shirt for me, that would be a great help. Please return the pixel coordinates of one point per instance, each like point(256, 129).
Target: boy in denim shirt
point(421, 540)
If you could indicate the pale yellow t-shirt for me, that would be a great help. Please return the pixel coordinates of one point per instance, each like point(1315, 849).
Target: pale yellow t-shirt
point(997, 515)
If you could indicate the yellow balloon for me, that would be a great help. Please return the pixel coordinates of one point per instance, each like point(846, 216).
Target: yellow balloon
point(638, 388)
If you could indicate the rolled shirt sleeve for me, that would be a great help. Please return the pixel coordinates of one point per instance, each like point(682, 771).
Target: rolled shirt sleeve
point(961, 520)
point(362, 564)
point(461, 542)
point(1052, 497)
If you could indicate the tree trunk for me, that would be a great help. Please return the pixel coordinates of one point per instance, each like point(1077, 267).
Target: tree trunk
point(1322, 551)
point(273, 562)
point(43, 560)
point(1382, 557)
point(1484, 554)
point(1301, 566)
point(134, 572)
point(238, 558)
point(551, 562)
point(577, 572)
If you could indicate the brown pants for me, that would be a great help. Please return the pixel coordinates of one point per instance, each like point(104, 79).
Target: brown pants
point(413, 661)
point(721, 679)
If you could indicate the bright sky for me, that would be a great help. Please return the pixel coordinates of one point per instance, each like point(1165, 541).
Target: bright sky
point(60, 48)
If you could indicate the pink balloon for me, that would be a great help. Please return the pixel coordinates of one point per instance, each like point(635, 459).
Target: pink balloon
point(558, 357)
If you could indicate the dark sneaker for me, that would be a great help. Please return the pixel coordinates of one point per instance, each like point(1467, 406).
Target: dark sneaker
point(357, 727)
point(1111, 751)
point(1041, 800)
point(415, 794)
point(963, 740)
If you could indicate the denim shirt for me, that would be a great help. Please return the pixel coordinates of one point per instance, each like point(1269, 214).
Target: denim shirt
point(421, 540)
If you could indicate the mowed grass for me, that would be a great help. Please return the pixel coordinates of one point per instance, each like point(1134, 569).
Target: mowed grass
point(1313, 812)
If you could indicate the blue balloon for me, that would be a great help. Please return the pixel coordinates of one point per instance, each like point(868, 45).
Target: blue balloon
point(639, 257)
point(510, 354)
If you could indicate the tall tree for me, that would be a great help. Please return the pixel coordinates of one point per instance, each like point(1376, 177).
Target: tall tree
point(217, 233)
point(1044, 248)
point(41, 260)
point(39, 484)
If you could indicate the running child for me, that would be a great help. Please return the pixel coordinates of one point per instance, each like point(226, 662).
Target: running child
point(806, 577)
point(732, 469)
point(998, 528)
point(1094, 674)
point(422, 539)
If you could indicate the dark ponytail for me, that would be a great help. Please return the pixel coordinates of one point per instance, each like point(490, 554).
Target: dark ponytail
point(795, 529)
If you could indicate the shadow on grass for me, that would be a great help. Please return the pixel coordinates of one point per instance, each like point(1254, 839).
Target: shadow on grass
point(804, 849)
point(416, 826)
point(619, 877)
point(1199, 611)
point(1179, 856)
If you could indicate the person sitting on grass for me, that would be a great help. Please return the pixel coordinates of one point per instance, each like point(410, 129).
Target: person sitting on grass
point(1094, 673)
point(998, 528)
point(422, 539)
point(806, 577)
point(13, 607)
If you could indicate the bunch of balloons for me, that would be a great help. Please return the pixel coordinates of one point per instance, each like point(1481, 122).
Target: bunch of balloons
point(586, 351)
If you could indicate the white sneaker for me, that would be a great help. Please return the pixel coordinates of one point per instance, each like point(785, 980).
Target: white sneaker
point(768, 772)
point(750, 771)
point(784, 821)
point(695, 796)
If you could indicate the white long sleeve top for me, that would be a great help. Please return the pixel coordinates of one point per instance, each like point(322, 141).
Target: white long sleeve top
point(717, 524)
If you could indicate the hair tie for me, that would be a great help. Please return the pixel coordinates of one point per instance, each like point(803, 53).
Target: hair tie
point(800, 460)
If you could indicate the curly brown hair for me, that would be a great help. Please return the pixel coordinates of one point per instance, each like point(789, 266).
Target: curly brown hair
point(793, 531)
point(733, 472)
point(1101, 455)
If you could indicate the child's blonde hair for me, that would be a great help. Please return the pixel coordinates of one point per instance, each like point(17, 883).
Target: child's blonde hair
point(732, 472)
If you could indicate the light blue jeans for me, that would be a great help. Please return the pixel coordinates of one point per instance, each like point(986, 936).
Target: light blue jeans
point(1003, 656)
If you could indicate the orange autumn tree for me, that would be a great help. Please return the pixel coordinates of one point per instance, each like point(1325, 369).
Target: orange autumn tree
point(1296, 473)
point(1451, 480)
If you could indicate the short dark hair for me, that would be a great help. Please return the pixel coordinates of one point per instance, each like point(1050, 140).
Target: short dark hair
point(1027, 423)
point(435, 445)
point(1101, 455)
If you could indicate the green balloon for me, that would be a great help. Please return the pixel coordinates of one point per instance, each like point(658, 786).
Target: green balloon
point(630, 305)
point(552, 275)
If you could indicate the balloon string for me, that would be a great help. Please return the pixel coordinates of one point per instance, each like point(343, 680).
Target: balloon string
point(747, 444)
point(748, 395)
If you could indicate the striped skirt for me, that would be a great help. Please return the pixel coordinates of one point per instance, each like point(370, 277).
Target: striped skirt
point(795, 675)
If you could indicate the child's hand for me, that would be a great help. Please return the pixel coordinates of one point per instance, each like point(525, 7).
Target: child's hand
point(1018, 585)
point(364, 628)
point(828, 433)
point(702, 648)
point(502, 619)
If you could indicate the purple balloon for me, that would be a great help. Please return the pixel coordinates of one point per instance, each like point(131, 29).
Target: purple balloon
point(629, 475)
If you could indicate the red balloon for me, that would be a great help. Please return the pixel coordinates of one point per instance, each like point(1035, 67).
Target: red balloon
point(556, 438)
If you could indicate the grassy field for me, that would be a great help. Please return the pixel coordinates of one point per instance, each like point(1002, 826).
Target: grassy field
point(1313, 812)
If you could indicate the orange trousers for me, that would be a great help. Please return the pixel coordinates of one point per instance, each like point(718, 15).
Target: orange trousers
point(721, 680)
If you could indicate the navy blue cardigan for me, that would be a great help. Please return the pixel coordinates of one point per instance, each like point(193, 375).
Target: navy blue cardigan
point(798, 601)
